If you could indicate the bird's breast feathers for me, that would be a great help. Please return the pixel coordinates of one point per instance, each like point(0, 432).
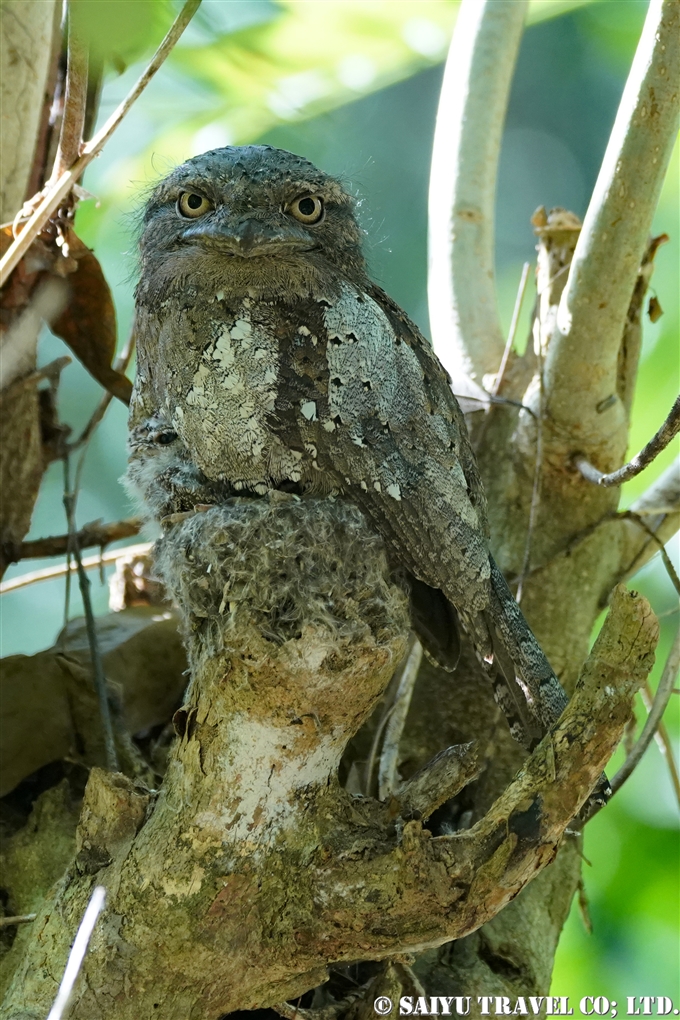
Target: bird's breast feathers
point(335, 393)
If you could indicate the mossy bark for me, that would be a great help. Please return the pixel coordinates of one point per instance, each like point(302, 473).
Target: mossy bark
point(252, 871)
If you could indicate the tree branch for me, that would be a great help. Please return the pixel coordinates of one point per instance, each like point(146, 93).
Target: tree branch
point(583, 354)
point(62, 187)
point(96, 533)
point(275, 871)
point(487, 865)
point(440, 780)
point(89, 563)
point(643, 459)
point(461, 289)
point(26, 34)
point(659, 507)
point(75, 102)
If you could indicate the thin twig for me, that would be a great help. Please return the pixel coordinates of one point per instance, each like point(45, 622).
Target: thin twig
point(512, 332)
point(78, 951)
point(8, 922)
point(83, 441)
point(120, 365)
point(58, 192)
point(643, 459)
point(667, 562)
point(663, 739)
point(389, 756)
point(91, 627)
point(659, 508)
point(51, 371)
point(489, 398)
point(75, 101)
point(89, 563)
point(661, 698)
point(330, 1012)
point(94, 534)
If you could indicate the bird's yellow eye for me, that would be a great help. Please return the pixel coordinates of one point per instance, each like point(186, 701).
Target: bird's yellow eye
point(191, 205)
point(307, 209)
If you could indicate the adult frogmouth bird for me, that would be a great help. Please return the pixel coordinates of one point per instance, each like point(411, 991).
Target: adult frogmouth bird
point(280, 364)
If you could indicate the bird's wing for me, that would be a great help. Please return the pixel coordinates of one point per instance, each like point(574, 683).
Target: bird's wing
point(363, 391)
point(438, 388)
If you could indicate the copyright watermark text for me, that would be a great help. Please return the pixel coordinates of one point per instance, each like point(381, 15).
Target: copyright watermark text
point(531, 1005)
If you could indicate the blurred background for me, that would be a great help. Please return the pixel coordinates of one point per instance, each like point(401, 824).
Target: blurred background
point(353, 86)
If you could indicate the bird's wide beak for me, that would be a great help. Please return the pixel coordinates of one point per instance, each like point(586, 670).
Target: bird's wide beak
point(249, 237)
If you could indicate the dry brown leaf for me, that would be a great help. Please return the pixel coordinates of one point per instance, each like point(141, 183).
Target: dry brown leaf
point(654, 309)
point(88, 325)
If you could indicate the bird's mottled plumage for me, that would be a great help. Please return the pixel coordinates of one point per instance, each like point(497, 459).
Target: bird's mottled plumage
point(279, 364)
point(161, 476)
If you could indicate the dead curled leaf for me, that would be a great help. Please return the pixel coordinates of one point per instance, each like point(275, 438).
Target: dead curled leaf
point(88, 324)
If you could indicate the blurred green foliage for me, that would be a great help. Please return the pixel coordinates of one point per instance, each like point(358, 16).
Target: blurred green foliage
point(353, 86)
point(120, 32)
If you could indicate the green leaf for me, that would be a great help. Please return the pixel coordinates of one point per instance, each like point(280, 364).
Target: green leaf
point(121, 31)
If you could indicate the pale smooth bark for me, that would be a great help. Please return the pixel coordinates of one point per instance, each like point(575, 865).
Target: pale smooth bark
point(464, 319)
point(26, 31)
point(583, 354)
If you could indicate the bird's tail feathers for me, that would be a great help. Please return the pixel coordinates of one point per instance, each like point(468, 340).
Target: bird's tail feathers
point(512, 697)
point(530, 664)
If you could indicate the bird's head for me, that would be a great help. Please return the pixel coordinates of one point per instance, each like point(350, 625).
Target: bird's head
point(255, 212)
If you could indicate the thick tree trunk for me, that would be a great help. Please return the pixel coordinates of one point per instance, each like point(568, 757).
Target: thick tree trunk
point(27, 52)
